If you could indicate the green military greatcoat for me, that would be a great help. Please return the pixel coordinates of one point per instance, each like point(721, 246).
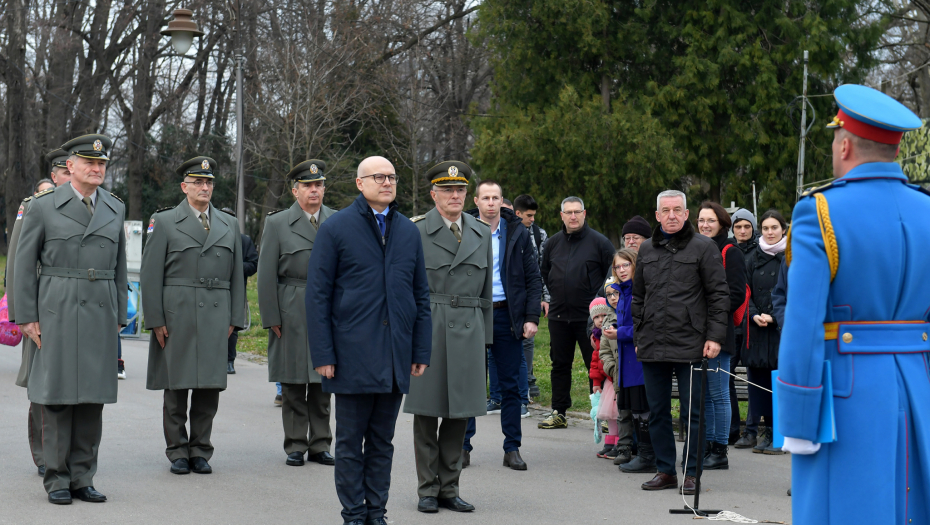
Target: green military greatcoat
point(29, 348)
point(282, 279)
point(192, 284)
point(454, 384)
point(80, 314)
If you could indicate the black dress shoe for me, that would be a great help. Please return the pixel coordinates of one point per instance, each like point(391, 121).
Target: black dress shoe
point(60, 497)
point(180, 466)
point(354, 522)
point(376, 521)
point(230, 369)
point(200, 466)
point(514, 461)
point(88, 494)
point(41, 471)
point(457, 504)
point(295, 459)
point(428, 505)
point(323, 458)
point(466, 458)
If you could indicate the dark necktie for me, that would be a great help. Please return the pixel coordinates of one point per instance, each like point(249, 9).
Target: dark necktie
point(313, 221)
point(204, 221)
point(381, 223)
point(455, 231)
point(90, 208)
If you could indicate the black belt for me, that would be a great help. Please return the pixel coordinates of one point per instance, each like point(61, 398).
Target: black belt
point(457, 301)
point(75, 273)
point(209, 284)
point(500, 304)
point(292, 281)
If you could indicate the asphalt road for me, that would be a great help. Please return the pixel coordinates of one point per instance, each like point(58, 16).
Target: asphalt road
point(565, 483)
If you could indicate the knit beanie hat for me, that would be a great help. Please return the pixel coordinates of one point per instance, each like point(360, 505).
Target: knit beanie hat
point(638, 226)
point(743, 214)
point(599, 306)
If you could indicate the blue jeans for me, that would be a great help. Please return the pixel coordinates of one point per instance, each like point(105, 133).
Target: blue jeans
point(495, 388)
point(507, 351)
point(717, 406)
point(279, 388)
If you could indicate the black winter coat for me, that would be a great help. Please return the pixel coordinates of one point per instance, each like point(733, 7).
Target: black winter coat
point(680, 297)
point(762, 273)
point(573, 269)
point(736, 283)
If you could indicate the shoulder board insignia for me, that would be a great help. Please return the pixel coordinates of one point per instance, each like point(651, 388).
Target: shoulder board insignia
point(166, 208)
point(43, 193)
point(27, 199)
point(817, 189)
point(272, 212)
point(482, 221)
point(418, 218)
point(116, 197)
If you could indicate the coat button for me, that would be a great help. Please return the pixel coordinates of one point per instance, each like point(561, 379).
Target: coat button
point(217, 254)
point(216, 304)
point(101, 305)
point(467, 325)
point(384, 322)
point(469, 272)
point(924, 336)
point(101, 245)
point(83, 245)
point(201, 305)
point(202, 254)
point(83, 303)
point(847, 337)
point(201, 279)
point(451, 272)
point(451, 325)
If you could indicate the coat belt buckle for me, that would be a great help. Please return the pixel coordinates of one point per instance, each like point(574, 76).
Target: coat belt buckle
point(209, 284)
point(91, 275)
point(455, 301)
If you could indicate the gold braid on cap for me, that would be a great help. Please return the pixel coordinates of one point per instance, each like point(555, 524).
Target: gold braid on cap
point(449, 179)
point(829, 237)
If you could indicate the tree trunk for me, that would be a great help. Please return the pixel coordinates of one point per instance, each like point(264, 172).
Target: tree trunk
point(17, 183)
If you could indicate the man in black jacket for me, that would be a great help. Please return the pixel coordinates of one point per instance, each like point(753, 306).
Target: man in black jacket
point(575, 261)
point(249, 267)
point(517, 288)
point(680, 307)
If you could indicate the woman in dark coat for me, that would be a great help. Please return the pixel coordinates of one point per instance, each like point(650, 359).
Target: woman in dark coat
point(761, 354)
point(714, 222)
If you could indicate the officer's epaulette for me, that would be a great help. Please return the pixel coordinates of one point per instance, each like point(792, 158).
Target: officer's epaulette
point(810, 191)
point(44, 193)
point(230, 213)
point(418, 218)
point(166, 208)
point(27, 199)
point(117, 198)
point(482, 221)
point(272, 212)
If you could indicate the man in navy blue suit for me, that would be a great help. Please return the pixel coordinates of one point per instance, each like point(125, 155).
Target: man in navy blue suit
point(369, 328)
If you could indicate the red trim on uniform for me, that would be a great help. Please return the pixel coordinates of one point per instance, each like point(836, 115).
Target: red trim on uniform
point(868, 131)
point(800, 386)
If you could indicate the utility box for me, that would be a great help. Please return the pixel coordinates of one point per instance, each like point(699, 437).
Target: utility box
point(134, 232)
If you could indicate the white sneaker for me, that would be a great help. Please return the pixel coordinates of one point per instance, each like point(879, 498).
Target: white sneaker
point(524, 412)
point(121, 374)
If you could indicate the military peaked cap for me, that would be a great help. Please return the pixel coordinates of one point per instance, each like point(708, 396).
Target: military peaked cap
point(450, 173)
point(872, 115)
point(89, 147)
point(307, 171)
point(57, 158)
point(197, 167)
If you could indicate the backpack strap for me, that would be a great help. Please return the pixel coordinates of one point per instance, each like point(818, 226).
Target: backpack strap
point(724, 254)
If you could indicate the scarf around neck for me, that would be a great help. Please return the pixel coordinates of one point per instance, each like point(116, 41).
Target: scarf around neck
point(773, 249)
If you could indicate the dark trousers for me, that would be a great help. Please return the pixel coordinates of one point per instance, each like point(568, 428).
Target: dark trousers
point(35, 433)
point(438, 451)
point(658, 379)
point(752, 419)
point(231, 346)
point(507, 352)
point(70, 440)
point(203, 405)
point(563, 336)
point(760, 400)
point(364, 452)
point(529, 346)
point(305, 415)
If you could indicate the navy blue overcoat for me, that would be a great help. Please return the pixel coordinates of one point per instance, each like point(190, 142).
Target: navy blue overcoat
point(367, 301)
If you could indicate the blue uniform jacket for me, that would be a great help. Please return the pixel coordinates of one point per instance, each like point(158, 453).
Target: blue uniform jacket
point(631, 370)
point(367, 301)
point(880, 379)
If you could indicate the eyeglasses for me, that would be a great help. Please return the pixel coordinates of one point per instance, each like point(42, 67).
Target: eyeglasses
point(612, 294)
point(379, 178)
point(456, 190)
point(573, 212)
point(707, 221)
point(200, 183)
point(632, 238)
point(622, 266)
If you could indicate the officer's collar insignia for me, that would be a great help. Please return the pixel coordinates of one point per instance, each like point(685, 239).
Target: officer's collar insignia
point(314, 169)
point(453, 171)
point(205, 164)
point(98, 146)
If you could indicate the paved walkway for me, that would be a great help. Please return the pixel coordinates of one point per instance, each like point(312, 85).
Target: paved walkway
point(565, 482)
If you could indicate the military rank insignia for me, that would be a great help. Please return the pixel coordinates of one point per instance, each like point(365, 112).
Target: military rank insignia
point(19, 214)
point(314, 169)
point(151, 225)
point(98, 145)
point(453, 171)
point(205, 164)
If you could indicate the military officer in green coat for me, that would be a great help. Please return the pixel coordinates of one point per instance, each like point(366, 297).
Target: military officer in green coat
point(72, 309)
point(193, 296)
point(459, 259)
point(58, 160)
point(287, 242)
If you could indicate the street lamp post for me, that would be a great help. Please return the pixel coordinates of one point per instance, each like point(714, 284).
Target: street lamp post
point(182, 30)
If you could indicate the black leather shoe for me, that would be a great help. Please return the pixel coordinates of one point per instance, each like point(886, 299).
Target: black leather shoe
point(60, 497)
point(230, 369)
point(354, 522)
point(466, 458)
point(428, 505)
point(376, 521)
point(200, 466)
point(180, 466)
point(295, 459)
point(457, 504)
point(323, 458)
point(41, 471)
point(514, 461)
point(88, 494)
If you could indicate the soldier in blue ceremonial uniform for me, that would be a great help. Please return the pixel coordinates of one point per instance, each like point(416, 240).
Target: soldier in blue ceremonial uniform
point(863, 306)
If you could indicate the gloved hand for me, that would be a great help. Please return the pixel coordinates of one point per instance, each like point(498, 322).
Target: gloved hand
point(800, 446)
